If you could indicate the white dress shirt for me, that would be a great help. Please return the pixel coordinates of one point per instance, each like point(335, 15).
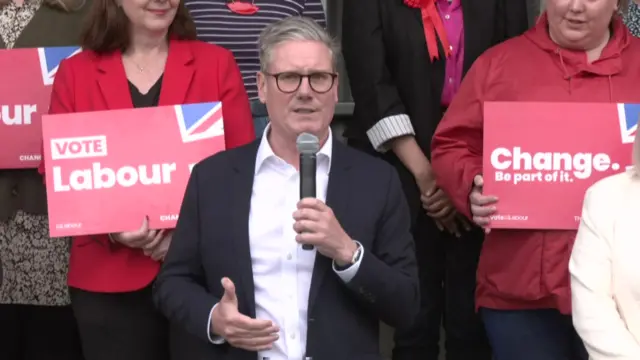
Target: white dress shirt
point(282, 270)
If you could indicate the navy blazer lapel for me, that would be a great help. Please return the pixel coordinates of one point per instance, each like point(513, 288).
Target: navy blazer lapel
point(338, 191)
point(241, 189)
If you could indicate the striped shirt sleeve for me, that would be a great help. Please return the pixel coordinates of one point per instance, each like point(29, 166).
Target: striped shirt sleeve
point(314, 9)
point(389, 128)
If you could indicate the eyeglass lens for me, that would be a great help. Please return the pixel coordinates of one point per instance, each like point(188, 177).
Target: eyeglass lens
point(320, 82)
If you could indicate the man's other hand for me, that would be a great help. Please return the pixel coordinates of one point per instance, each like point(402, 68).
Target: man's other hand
point(240, 330)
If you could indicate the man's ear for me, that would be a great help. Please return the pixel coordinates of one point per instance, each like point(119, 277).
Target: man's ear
point(261, 81)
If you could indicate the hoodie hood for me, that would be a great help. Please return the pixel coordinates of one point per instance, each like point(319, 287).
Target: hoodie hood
point(574, 62)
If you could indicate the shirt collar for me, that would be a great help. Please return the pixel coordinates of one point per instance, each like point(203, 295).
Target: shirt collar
point(265, 153)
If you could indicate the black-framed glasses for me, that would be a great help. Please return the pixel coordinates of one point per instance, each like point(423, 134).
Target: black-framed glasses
point(319, 81)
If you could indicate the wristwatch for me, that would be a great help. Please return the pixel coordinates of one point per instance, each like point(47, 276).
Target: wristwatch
point(354, 258)
point(356, 254)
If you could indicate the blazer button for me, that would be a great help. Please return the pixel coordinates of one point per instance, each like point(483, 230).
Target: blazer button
point(311, 319)
point(14, 192)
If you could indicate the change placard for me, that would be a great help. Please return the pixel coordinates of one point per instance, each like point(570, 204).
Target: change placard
point(540, 158)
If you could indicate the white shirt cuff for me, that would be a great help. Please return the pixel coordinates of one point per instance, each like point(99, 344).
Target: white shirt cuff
point(347, 274)
point(215, 339)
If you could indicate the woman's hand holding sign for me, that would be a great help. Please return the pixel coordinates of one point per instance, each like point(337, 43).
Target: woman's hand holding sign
point(154, 243)
point(140, 238)
point(158, 248)
point(481, 205)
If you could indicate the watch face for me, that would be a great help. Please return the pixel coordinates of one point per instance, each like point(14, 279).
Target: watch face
point(356, 255)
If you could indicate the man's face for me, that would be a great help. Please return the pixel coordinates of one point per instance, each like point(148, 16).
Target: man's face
point(308, 107)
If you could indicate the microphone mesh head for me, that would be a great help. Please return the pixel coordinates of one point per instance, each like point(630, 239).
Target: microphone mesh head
point(307, 143)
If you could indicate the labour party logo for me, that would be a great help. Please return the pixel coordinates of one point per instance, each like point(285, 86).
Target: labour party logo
point(628, 115)
point(199, 121)
point(50, 58)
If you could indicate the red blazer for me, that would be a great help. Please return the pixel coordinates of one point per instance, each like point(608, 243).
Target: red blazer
point(195, 72)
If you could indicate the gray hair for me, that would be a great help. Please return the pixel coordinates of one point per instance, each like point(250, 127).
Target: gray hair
point(294, 28)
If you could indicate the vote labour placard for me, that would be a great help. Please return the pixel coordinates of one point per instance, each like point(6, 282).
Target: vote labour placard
point(25, 90)
point(107, 170)
point(540, 158)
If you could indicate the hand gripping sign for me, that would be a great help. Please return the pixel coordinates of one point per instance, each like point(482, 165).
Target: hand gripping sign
point(25, 90)
point(540, 158)
point(107, 170)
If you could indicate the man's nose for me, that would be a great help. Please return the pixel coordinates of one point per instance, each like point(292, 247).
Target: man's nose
point(305, 88)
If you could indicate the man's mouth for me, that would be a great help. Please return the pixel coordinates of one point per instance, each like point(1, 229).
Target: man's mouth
point(304, 111)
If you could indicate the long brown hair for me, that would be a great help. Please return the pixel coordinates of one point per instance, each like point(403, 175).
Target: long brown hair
point(64, 5)
point(107, 27)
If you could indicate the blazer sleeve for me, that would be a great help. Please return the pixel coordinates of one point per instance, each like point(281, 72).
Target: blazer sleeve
point(595, 314)
point(179, 291)
point(62, 96)
point(387, 279)
point(380, 110)
point(236, 112)
point(456, 147)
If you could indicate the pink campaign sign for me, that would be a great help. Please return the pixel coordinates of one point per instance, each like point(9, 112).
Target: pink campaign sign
point(540, 158)
point(107, 170)
point(27, 77)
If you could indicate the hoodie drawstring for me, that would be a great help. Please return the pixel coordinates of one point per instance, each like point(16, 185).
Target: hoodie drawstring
point(564, 69)
point(569, 77)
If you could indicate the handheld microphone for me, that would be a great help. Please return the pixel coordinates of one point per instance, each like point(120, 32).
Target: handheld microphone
point(308, 145)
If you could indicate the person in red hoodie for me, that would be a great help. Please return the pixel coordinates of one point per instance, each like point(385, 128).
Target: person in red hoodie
point(138, 54)
point(579, 51)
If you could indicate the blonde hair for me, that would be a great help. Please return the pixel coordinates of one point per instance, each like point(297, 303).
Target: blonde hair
point(64, 5)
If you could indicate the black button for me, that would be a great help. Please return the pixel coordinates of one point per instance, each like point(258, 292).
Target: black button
point(14, 192)
point(312, 319)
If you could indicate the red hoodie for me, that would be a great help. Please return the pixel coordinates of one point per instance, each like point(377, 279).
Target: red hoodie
point(526, 269)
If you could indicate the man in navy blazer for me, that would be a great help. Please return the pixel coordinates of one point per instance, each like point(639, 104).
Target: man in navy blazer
point(236, 275)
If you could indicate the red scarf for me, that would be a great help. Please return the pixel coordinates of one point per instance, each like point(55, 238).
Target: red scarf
point(432, 24)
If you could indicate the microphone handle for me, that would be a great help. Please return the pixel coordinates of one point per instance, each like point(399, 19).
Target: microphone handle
point(307, 181)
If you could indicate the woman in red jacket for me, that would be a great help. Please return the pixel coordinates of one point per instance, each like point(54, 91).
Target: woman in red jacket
point(579, 51)
point(138, 54)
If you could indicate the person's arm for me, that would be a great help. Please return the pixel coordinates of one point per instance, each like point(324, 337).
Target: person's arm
point(456, 147)
point(595, 315)
point(380, 108)
point(238, 121)
point(314, 9)
point(179, 291)
point(386, 281)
